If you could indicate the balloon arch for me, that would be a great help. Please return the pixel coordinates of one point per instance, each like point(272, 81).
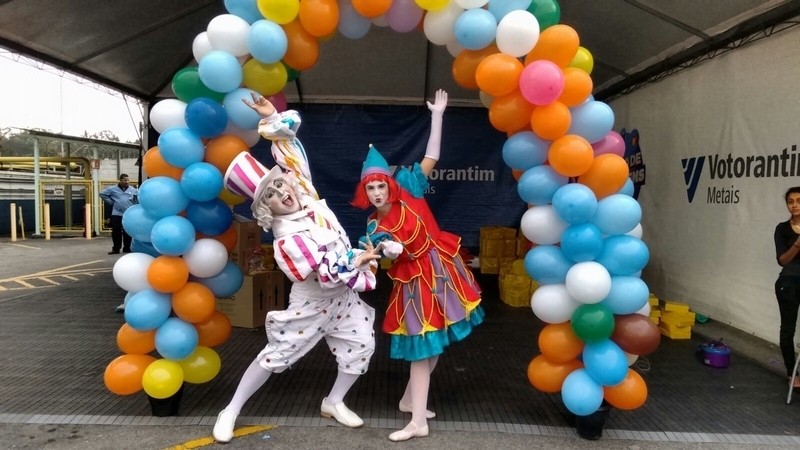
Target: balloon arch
point(533, 77)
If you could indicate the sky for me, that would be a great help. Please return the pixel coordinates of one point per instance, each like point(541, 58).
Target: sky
point(31, 97)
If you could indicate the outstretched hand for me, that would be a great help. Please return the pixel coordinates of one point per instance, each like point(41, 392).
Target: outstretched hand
point(440, 103)
point(370, 254)
point(260, 104)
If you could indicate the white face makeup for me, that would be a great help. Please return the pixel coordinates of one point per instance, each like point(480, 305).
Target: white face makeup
point(280, 197)
point(378, 193)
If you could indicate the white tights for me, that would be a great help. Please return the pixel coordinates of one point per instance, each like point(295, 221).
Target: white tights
point(417, 389)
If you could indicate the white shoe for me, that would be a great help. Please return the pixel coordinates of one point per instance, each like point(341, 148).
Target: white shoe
point(223, 429)
point(341, 413)
point(411, 430)
point(406, 408)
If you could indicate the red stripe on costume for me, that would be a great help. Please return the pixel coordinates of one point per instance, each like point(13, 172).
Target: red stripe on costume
point(244, 179)
point(289, 262)
point(257, 168)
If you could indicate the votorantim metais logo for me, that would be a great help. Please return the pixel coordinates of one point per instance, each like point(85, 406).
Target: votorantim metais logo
point(783, 164)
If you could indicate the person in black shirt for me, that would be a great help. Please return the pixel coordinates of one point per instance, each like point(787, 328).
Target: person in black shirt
point(787, 287)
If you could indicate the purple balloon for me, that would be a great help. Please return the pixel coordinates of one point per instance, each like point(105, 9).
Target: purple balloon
point(611, 143)
point(404, 15)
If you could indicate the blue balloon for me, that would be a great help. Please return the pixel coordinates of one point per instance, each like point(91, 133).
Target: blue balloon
point(240, 114)
point(210, 218)
point(623, 255)
point(628, 188)
point(201, 182)
point(475, 28)
point(173, 235)
point(147, 310)
point(547, 264)
point(225, 283)
point(582, 242)
point(581, 394)
point(138, 223)
point(627, 295)
point(176, 339)
point(144, 247)
point(206, 117)
point(525, 150)
point(162, 197)
point(352, 25)
point(267, 41)
point(575, 203)
point(246, 9)
point(617, 214)
point(605, 362)
point(591, 120)
point(499, 8)
point(538, 184)
point(220, 71)
point(181, 147)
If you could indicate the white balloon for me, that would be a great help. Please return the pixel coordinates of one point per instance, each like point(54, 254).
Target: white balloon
point(636, 231)
point(169, 113)
point(486, 99)
point(380, 21)
point(229, 33)
point(541, 225)
point(517, 33)
point(454, 48)
point(130, 271)
point(467, 4)
point(200, 46)
point(588, 282)
point(250, 137)
point(552, 304)
point(644, 310)
point(631, 358)
point(439, 25)
point(206, 258)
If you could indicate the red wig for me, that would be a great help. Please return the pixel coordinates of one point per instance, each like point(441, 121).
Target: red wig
point(360, 199)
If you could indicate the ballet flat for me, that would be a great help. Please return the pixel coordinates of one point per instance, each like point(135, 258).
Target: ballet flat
point(407, 409)
point(223, 429)
point(341, 413)
point(406, 433)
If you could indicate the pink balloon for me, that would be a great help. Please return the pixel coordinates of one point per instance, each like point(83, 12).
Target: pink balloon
point(279, 101)
point(404, 15)
point(541, 82)
point(611, 143)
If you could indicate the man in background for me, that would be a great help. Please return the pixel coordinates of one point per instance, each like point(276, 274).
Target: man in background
point(119, 197)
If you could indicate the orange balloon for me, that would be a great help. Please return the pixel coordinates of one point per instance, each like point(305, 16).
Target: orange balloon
point(510, 112)
point(570, 155)
point(371, 8)
point(167, 273)
point(154, 165)
point(551, 121)
point(559, 344)
point(516, 173)
point(221, 150)
point(230, 198)
point(214, 331)
point(319, 17)
point(302, 51)
point(135, 342)
point(606, 175)
point(194, 302)
point(228, 237)
point(558, 44)
point(577, 87)
point(630, 394)
point(498, 74)
point(548, 376)
point(466, 64)
point(123, 375)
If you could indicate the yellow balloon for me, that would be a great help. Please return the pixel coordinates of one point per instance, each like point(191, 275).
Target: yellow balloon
point(162, 378)
point(266, 79)
point(583, 60)
point(432, 5)
point(201, 366)
point(230, 198)
point(279, 11)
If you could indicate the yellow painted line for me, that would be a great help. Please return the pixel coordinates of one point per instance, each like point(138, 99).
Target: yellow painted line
point(24, 283)
point(25, 246)
point(51, 271)
point(3, 288)
point(203, 442)
point(48, 280)
point(69, 277)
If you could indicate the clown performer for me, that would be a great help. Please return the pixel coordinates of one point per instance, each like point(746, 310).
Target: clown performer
point(434, 299)
point(313, 250)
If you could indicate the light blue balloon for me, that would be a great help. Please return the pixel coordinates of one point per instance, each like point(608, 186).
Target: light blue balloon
point(605, 362)
point(352, 25)
point(623, 255)
point(147, 310)
point(239, 113)
point(210, 218)
point(525, 150)
point(581, 394)
point(547, 264)
point(475, 28)
point(181, 147)
point(617, 214)
point(206, 117)
point(499, 8)
point(267, 41)
point(176, 339)
point(162, 197)
point(138, 223)
point(538, 184)
point(220, 71)
point(144, 247)
point(575, 203)
point(627, 295)
point(173, 235)
point(591, 120)
point(582, 242)
point(201, 182)
point(246, 9)
point(627, 188)
point(225, 283)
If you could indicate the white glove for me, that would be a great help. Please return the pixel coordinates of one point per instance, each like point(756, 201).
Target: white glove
point(391, 249)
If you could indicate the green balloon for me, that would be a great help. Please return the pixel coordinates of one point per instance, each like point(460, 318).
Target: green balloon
point(187, 86)
point(593, 323)
point(291, 72)
point(547, 12)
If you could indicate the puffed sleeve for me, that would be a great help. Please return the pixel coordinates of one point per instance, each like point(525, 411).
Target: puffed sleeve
point(287, 150)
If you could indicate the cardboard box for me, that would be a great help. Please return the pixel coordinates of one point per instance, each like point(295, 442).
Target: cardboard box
point(258, 295)
point(248, 253)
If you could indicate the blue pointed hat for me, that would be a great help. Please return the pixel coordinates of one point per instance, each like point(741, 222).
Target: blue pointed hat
point(375, 163)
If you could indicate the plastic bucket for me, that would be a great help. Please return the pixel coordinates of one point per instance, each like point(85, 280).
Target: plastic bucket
point(591, 426)
point(165, 407)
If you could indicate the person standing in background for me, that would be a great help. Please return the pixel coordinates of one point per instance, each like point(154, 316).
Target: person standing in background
point(119, 197)
point(787, 287)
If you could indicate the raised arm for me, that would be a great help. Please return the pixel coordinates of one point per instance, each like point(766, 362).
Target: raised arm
point(435, 139)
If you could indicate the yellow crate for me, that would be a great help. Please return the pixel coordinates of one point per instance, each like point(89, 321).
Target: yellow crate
point(674, 335)
point(671, 305)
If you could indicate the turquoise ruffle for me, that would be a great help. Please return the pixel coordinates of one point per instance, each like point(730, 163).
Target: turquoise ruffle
point(433, 343)
point(413, 180)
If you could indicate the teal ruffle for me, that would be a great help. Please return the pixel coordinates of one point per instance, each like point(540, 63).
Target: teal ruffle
point(412, 180)
point(433, 343)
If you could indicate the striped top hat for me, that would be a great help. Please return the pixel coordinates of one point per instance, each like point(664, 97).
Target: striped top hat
point(374, 163)
point(248, 177)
